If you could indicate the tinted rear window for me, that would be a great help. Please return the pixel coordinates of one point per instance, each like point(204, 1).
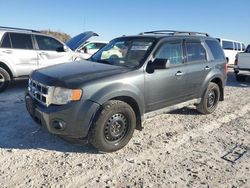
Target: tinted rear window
point(227, 45)
point(216, 49)
point(6, 41)
point(21, 41)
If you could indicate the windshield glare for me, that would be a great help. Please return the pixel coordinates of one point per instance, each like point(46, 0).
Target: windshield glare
point(124, 52)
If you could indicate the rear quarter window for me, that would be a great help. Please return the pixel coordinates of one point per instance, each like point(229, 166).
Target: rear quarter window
point(227, 45)
point(6, 41)
point(215, 49)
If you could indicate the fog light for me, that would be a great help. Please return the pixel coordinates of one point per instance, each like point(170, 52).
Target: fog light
point(59, 124)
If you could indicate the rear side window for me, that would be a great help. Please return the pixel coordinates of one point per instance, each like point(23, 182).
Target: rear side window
point(195, 52)
point(227, 45)
point(215, 49)
point(172, 52)
point(21, 41)
point(6, 41)
point(48, 43)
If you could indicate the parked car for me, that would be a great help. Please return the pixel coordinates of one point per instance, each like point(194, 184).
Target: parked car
point(22, 51)
point(242, 64)
point(106, 98)
point(231, 48)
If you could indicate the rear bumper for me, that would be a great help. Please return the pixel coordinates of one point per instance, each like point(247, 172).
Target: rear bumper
point(238, 70)
point(71, 120)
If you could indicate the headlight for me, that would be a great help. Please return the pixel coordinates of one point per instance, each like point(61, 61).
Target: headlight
point(63, 95)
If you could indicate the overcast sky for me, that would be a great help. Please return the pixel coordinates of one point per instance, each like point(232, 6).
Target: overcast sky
point(113, 18)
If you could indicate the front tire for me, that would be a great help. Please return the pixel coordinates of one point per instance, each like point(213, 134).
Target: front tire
point(210, 99)
point(114, 126)
point(4, 79)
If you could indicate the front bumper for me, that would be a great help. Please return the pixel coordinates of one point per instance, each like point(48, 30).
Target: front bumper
point(76, 117)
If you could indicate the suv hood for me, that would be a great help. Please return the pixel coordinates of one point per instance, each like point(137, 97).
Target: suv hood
point(77, 41)
point(74, 75)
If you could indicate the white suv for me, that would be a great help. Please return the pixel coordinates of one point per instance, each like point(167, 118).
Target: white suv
point(22, 51)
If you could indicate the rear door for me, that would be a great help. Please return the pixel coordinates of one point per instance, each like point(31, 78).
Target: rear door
point(198, 66)
point(18, 49)
point(166, 87)
point(51, 51)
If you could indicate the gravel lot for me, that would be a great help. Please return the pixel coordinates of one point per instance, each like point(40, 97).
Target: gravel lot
point(177, 149)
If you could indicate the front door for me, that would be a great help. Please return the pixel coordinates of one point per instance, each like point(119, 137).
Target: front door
point(51, 51)
point(165, 87)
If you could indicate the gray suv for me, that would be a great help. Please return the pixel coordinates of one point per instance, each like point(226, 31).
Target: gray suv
point(106, 98)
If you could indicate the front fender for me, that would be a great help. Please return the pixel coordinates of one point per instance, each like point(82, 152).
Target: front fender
point(119, 90)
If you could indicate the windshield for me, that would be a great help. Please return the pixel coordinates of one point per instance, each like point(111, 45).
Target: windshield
point(128, 52)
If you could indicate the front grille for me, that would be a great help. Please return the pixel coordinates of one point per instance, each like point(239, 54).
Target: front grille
point(39, 92)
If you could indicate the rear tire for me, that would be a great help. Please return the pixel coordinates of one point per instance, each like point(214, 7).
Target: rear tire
point(4, 79)
point(114, 126)
point(210, 99)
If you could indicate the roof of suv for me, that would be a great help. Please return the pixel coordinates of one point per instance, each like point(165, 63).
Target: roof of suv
point(4, 29)
point(170, 33)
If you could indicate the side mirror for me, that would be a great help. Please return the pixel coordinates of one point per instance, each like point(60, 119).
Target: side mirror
point(65, 48)
point(161, 63)
point(62, 49)
point(157, 64)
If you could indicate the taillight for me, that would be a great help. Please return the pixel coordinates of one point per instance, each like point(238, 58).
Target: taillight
point(226, 68)
point(236, 60)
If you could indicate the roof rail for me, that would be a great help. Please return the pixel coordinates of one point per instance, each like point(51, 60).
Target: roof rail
point(20, 29)
point(173, 32)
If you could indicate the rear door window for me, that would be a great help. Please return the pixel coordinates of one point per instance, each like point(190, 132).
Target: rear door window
point(48, 43)
point(195, 52)
point(215, 49)
point(21, 41)
point(6, 41)
point(227, 45)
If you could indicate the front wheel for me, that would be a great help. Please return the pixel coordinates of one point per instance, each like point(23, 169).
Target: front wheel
point(114, 127)
point(4, 79)
point(210, 99)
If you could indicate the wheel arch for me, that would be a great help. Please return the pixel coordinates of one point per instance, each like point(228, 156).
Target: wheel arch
point(132, 102)
point(219, 82)
point(216, 78)
point(5, 67)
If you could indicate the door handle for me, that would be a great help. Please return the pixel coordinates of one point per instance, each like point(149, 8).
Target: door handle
point(43, 53)
point(179, 73)
point(8, 51)
point(207, 68)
